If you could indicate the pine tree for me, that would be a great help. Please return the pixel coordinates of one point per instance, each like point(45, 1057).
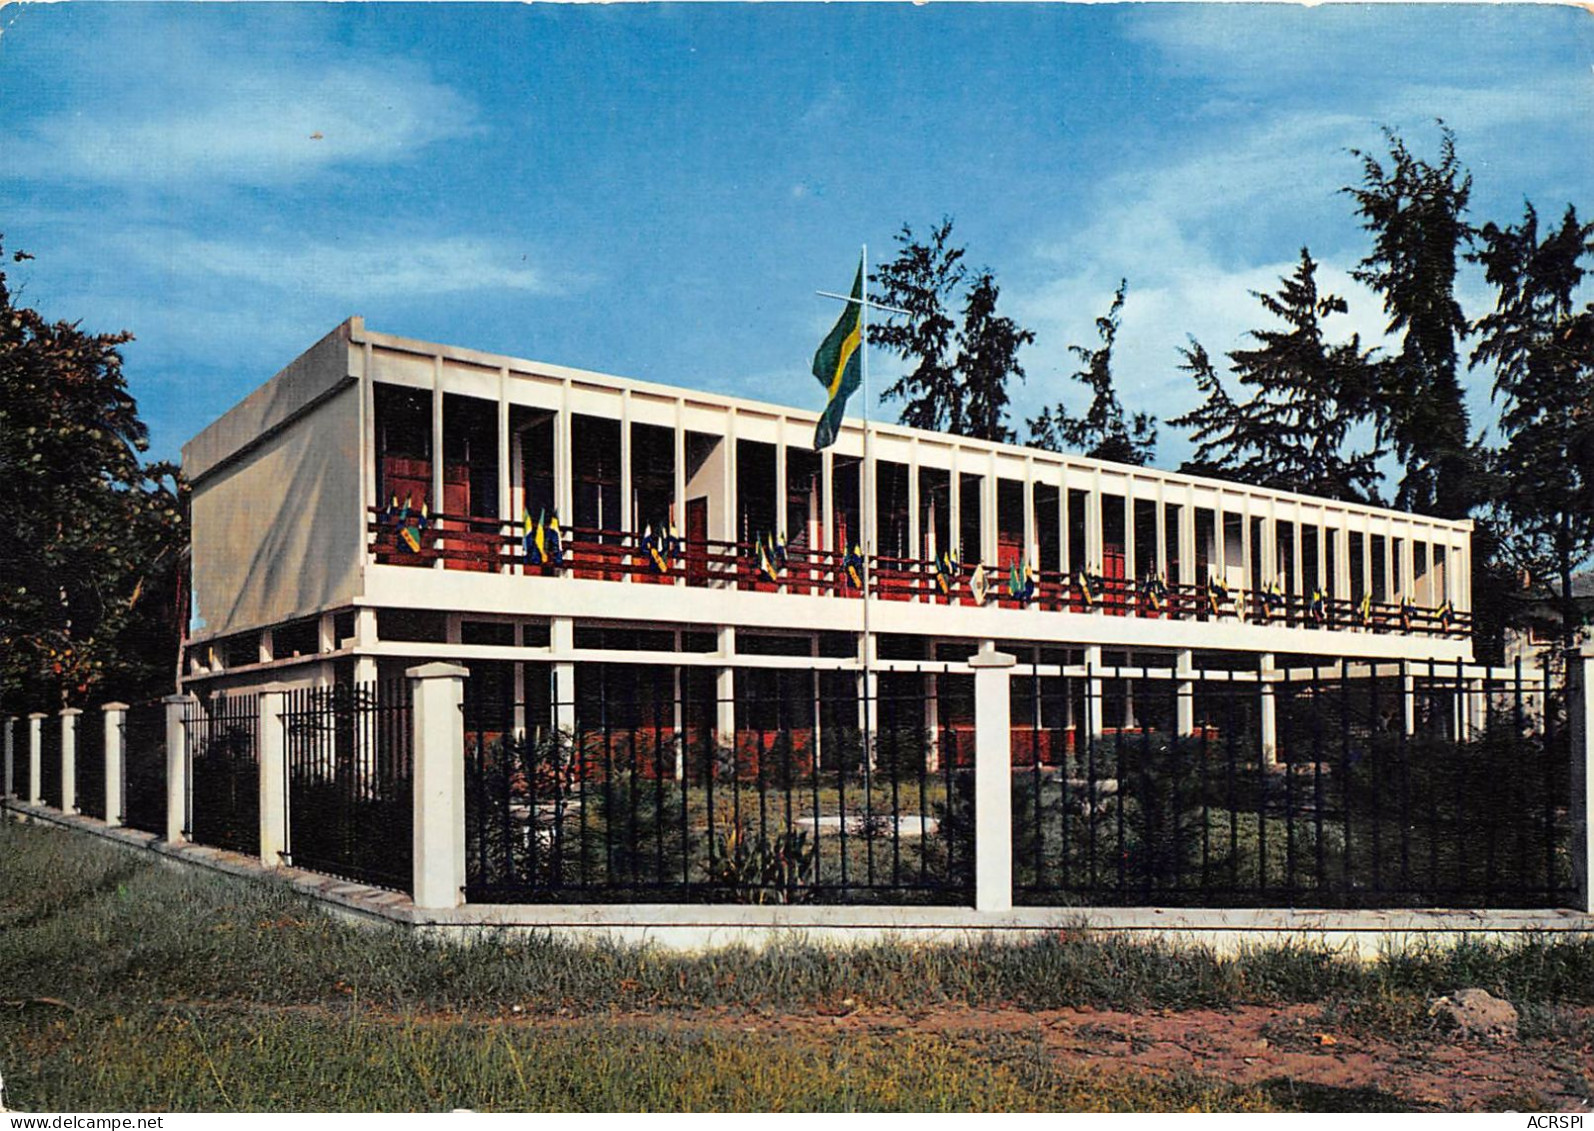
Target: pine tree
point(1102, 432)
point(922, 279)
point(1415, 211)
point(1542, 348)
point(1306, 397)
point(988, 346)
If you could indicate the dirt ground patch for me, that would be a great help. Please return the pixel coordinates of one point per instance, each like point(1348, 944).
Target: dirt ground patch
point(1327, 1067)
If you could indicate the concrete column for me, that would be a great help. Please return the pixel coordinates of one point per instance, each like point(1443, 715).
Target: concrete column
point(36, 758)
point(869, 695)
point(273, 763)
point(1270, 741)
point(1580, 707)
point(69, 717)
point(1093, 691)
point(8, 783)
point(932, 722)
point(115, 724)
point(1477, 707)
point(993, 781)
point(1408, 698)
point(176, 766)
point(562, 639)
point(725, 691)
point(439, 839)
point(1184, 707)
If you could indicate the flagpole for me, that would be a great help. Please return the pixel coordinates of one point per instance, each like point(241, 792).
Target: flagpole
point(866, 491)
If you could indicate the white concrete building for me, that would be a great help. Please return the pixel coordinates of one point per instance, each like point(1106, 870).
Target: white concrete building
point(302, 571)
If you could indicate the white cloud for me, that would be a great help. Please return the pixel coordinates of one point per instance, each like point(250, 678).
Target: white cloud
point(268, 122)
point(360, 269)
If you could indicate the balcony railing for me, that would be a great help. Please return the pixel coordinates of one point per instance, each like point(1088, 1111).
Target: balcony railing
point(467, 542)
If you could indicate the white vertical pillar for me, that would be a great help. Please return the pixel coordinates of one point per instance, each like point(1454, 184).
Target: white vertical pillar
point(115, 724)
point(993, 781)
point(1270, 741)
point(438, 845)
point(36, 758)
point(678, 488)
point(8, 783)
point(562, 640)
point(1408, 697)
point(1185, 706)
point(273, 763)
point(725, 691)
point(1580, 704)
point(176, 766)
point(932, 722)
point(69, 717)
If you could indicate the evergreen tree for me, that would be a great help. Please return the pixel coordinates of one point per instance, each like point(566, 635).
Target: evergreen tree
point(922, 279)
point(1102, 432)
point(988, 347)
point(1306, 397)
point(964, 393)
point(89, 566)
point(1542, 348)
point(1415, 211)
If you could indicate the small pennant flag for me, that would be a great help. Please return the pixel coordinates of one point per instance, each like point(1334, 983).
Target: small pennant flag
point(1217, 594)
point(1365, 609)
point(1319, 606)
point(764, 557)
point(852, 562)
point(946, 572)
point(1020, 583)
point(1407, 611)
point(979, 585)
point(1154, 590)
point(1272, 599)
point(412, 526)
point(1087, 591)
point(657, 550)
point(1446, 615)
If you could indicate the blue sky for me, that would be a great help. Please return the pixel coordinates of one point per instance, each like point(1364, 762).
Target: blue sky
point(657, 191)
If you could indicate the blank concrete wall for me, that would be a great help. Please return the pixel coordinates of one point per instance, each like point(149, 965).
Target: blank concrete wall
point(277, 531)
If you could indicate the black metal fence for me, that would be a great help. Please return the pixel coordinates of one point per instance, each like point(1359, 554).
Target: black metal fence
point(651, 785)
point(89, 765)
point(50, 760)
point(350, 772)
point(144, 767)
point(1456, 796)
point(224, 772)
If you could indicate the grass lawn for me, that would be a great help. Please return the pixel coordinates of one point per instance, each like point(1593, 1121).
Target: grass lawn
point(126, 985)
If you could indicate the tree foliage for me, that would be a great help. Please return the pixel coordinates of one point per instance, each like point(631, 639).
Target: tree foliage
point(1306, 398)
point(1415, 211)
point(988, 346)
point(1102, 432)
point(90, 561)
point(958, 378)
point(1541, 346)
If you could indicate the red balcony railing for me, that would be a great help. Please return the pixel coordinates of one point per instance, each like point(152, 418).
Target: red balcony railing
point(470, 542)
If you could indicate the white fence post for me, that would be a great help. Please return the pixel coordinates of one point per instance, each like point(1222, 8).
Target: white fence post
point(115, 724)
point(176, 766)
point(36, 757)
point(273, 775)
point(69, 717)
point(993, 781)
point(1184, 709)
point(1270, 712)
point(1580, 708)
point(438, 692)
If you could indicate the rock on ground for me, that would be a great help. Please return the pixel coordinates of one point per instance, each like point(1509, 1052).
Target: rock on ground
point(1477, 1013)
